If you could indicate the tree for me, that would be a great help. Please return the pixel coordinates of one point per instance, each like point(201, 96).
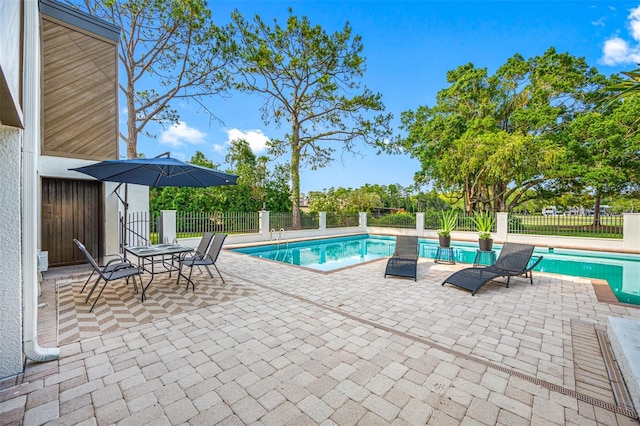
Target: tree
point(189, 199)
point(309, 79)
point(488, 138)
point(268, 189)
point(241, 197)
point(251, 170)
point(325, 201)
point(603, 154)
point(394, 195)
point(361, 200)
point(626, 88)
point(169, 50)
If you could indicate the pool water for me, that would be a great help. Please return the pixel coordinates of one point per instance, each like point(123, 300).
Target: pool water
point(621, 271)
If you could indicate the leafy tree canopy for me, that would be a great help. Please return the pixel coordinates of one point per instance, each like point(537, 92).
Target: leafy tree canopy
point(272, 193)
point(488, 138)
point(309, 79)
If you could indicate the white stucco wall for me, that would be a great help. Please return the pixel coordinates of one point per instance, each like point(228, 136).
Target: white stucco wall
point(11, 357)
point(10, 22)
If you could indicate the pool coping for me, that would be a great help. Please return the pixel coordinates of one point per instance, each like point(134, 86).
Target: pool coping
point(604, 294)
point(601, 287)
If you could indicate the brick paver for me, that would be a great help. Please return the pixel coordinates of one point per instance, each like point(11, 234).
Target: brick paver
point(349, 347)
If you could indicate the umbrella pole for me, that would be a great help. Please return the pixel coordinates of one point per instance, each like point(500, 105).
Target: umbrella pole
point(123, 220)
point(126, 208)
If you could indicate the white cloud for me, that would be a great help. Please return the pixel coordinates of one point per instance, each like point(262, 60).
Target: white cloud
point(634, 23)
point(617, 51)
point(218, 148)
point(181, 134)
point(257, 140)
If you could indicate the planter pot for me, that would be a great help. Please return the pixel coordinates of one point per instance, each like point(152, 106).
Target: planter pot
point(485, 244)
point(444, 241)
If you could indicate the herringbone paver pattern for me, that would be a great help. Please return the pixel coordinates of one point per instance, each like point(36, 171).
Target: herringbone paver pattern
point(119, 305)
point(345, 348)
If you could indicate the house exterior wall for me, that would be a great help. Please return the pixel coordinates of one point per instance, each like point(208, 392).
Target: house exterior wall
point(20, 160)
point(10, 64)
point(80, 96)
point(80, 103)
point(11, 356)
point(11, 139)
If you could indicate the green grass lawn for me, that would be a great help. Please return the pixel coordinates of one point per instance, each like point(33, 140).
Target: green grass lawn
point(570, 226)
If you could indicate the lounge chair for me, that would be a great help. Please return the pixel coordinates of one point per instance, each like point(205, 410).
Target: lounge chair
point(121, 268)
point(206, 259)
point(514, 260)
point(404, 261)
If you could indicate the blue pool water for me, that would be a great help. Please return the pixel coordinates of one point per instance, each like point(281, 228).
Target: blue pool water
point(621, 271)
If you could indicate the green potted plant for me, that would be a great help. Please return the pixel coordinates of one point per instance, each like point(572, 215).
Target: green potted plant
point(484, 222)
point(447, 221)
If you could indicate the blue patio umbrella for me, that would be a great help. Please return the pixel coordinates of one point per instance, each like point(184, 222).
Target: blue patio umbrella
point(155, 172)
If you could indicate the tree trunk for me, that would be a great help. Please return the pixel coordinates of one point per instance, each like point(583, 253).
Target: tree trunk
point(132, 134)
point(295, 178)
point(596, 210)
point(132, 142)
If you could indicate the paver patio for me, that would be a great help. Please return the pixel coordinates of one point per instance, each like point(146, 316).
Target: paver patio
point(293, 346)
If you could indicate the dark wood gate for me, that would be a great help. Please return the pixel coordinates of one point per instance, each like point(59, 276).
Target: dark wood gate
point(70, 209)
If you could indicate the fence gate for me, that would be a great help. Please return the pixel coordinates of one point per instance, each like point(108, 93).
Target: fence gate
point(137, 230)
point(70, 209)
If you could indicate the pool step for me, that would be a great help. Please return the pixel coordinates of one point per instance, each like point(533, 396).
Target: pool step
point(624, 335)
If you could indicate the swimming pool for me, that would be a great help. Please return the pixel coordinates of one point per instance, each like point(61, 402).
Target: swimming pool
point(621, 271)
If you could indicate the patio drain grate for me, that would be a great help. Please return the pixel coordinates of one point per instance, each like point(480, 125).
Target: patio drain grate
point(590, 370)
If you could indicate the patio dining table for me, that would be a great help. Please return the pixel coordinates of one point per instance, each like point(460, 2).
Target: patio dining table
point(158, 259)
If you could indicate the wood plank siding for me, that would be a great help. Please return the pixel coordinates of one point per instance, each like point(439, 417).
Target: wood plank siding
point(71, 209)
point(80, 88)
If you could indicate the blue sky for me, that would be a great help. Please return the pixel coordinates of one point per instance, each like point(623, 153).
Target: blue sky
point(410, 46)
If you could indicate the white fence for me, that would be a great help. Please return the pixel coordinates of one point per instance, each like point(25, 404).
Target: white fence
point(629, 243)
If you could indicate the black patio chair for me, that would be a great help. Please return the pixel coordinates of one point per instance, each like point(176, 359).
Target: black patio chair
point(119, 268)
point(404, 261)
point(202, 248)
point(206, 259)
point(514, 260)
point(111, 265)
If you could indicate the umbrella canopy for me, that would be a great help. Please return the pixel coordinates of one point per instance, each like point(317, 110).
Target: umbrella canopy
point(157, 172)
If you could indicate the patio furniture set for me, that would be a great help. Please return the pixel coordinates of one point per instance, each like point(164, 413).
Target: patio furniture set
point(157, 172)
point(154, 259)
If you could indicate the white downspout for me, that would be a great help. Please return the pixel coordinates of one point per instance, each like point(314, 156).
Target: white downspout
point(30, 184)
